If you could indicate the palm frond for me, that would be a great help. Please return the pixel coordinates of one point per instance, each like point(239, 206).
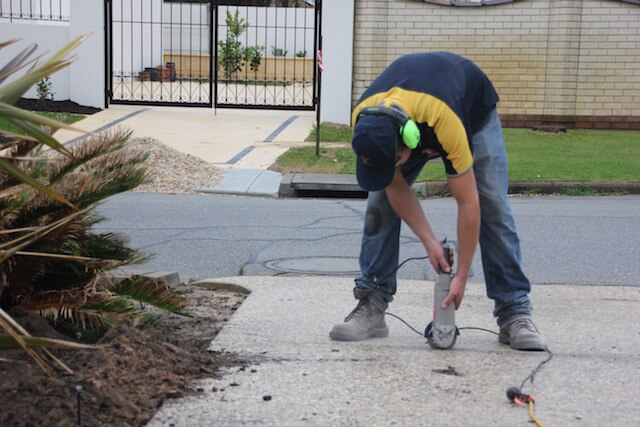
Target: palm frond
point(27, 179)
point(152, 292)
point(18, 62)
point(53, 226)
point(8, 43)
point(114, 310)
point(8, 342)
point(36, 250)
point(13, 324)
point(103, 177)
point(152, 319)
point(64, 257)
point(20, 118)
point(86, 150)
point(7, 323)
point(61, 301)
point(87, 315)
point(111, 246)
point(11, 137)
point(17, 230)
point(20, 145)
point(72, 314)
point(19, 277)
point(90, 321)
point(36, 227)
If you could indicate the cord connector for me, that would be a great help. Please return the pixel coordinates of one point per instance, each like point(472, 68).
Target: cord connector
point(515, 395)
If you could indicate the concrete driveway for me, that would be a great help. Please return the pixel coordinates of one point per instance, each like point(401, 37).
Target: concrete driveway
point(227, 138)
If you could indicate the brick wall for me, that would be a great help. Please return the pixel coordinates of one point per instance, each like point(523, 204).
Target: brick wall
point(568, 62)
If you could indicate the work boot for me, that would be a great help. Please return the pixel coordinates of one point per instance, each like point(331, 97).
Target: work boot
point(522, 334)
point(365, 321)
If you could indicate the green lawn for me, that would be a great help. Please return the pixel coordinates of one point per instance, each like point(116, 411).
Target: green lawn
point(577, 155)
point(62, 117)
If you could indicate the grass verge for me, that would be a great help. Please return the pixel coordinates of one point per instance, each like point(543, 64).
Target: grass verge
point(577, 155)
point(67, 118)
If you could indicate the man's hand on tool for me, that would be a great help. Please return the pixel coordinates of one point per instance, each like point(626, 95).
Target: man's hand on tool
point(456, 291)
point(439, 263)
point(436, 256)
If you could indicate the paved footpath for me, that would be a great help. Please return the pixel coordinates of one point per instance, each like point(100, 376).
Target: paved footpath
point(299, 377)
point(580, 252)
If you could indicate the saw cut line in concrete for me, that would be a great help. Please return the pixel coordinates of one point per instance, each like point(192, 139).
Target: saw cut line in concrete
point(316, 265)
point(108, 125)
point(273, 135)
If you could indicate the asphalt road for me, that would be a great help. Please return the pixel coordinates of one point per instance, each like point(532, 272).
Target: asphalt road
point(565, 240)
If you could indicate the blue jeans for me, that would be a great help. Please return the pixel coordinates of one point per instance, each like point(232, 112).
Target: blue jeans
point(506, 283)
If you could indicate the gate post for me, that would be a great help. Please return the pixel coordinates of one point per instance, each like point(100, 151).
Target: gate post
point(319, 71)
point(338, 23)
point(87, 86)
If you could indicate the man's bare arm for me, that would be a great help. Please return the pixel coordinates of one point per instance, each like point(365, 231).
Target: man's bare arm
point(406, 205)
point(465, 192)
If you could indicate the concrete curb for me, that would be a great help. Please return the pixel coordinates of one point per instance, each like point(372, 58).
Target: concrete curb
point(171, 278)
point(342, 185)
point(246, 182)
point(300, 185)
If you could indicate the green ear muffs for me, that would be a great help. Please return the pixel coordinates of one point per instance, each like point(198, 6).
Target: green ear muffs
point(408, 128)
point(410, 134)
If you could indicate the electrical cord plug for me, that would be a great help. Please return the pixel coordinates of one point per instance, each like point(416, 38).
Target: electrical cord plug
point(515, 395)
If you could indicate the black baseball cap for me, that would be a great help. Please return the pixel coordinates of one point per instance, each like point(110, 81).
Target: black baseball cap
point(374, 142)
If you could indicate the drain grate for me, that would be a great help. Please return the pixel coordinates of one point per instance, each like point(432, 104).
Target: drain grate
point(316, 265)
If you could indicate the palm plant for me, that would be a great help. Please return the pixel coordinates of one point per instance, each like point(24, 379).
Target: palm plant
point(51, 262)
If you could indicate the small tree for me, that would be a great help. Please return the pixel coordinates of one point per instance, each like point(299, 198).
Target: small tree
point(253, 56)
point(230, 50)
point(45, 90)
point(278, 51)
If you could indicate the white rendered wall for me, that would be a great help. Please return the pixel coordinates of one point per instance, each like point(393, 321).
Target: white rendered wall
point(49, 37)
point(87, 74)
point(337, 55)
point(83, 80)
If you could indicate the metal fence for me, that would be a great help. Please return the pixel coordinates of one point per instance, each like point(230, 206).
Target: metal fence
point(34, 10)
point(204, 53)
point(266, 56)
point(159, 52)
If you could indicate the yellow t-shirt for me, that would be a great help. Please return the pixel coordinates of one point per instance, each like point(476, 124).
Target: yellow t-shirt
point(447, 96)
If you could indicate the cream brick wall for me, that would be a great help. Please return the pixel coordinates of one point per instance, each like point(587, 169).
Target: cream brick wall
point(609, 72)
point(545, 57)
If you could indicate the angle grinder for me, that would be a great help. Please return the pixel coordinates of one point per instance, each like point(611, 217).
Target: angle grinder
point(442, 332)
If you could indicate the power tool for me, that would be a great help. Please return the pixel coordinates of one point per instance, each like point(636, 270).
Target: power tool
point(442, 332)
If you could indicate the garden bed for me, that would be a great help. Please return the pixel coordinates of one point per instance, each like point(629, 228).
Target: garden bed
point(124, 381)
point(48, 105)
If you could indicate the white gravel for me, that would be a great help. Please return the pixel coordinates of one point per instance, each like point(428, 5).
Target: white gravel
point(173, 172)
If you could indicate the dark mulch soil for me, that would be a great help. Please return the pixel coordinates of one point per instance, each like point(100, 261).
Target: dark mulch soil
point(132, 371)
point(67, 106)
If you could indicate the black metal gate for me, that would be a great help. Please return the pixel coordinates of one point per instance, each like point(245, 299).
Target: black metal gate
point(257, 53)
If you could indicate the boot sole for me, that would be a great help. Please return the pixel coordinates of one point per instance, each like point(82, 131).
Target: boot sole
point(373, 333)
